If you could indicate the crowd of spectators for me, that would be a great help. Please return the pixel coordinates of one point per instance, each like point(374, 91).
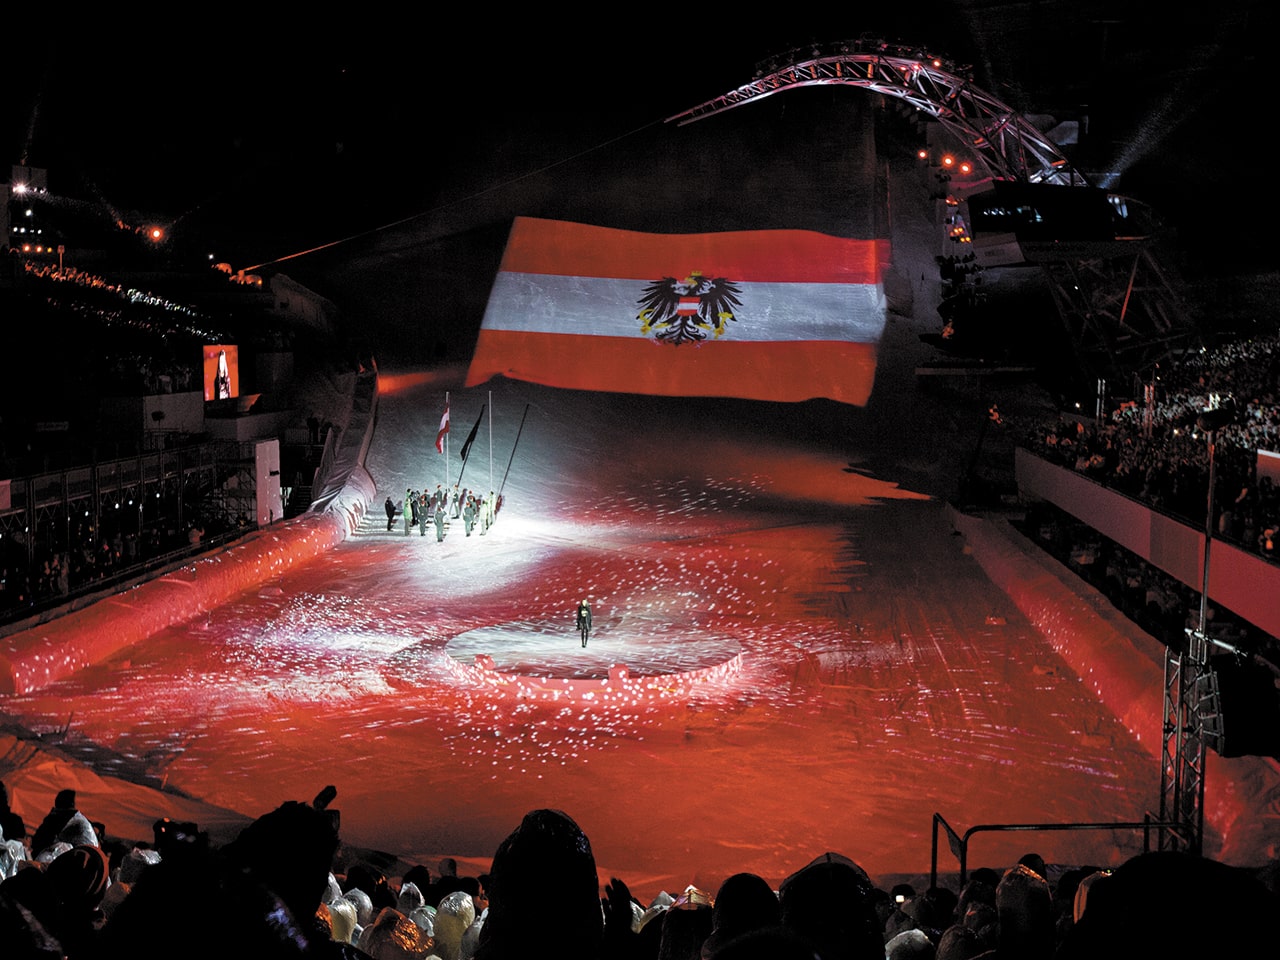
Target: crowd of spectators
point(1152, 449)
point(95, 558)
point(287, 887)
point(147, 343)
point(107, 338)
point(1160, 604)
point(142, 309)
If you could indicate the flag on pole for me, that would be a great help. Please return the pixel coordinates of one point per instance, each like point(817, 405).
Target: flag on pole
point(783, 315)
point(444, 429)
point(466, 444)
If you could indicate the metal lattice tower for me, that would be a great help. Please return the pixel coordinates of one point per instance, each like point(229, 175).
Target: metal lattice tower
point(1118, 307)
point(1182, 755)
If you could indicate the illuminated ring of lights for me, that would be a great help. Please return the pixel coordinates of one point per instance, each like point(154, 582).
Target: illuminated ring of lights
point(540, 659)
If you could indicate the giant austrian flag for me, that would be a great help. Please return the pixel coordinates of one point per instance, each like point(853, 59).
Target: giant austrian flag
point(782, 315)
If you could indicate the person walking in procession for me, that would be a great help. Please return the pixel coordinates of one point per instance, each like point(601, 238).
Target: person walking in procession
point(390, 506)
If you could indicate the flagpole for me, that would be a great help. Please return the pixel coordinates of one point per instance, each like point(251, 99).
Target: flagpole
point(491, 441)
point(513, 448)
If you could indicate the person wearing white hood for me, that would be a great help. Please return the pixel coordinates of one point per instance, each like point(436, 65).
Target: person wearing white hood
point(64, 823)
point(454, 915)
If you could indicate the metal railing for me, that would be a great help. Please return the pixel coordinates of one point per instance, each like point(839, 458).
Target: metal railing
point(147, 502)
point(959, 843)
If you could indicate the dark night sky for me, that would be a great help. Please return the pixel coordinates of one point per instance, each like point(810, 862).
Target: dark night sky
point(251, 122)
point(263, 137)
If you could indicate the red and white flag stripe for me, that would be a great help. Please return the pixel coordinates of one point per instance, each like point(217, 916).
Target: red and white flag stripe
point(444, 428)
point(563, 312)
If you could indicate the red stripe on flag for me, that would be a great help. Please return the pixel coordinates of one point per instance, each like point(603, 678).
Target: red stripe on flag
point(781, 256)
point(444, 428)
point(784, 372)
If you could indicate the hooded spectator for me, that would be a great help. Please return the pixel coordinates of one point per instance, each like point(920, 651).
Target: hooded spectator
point(829, 903)
point(11, 825)
point(454, 914)
point(548, 854)
point(471, 939)
point(393, 936)
point(1081, 898)
point(136, 861)
point(1026, 914)
point(425, 918)
point(78, 879)
point(364, 906)
point(932, 911)
point(410, 898)
point(290, 850)
point(959, 942)
point(63, 823)
point(420, 877)
point(332, 891)
point(168, 914)
point(12, 856)
point(685, 929)
point(743, 903)
point(909, 945)
point(1035, 863)
point(342, 920)
point(1174, 905)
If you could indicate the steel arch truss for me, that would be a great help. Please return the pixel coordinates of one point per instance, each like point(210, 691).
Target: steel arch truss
point(1004, 143)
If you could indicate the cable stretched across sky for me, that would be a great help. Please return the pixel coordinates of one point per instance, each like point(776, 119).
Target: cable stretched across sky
point(454, 203)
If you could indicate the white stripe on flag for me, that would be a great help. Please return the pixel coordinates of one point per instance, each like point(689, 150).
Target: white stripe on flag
point(544, 303)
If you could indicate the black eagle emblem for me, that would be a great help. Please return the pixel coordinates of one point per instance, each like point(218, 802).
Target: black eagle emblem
point(688, 310)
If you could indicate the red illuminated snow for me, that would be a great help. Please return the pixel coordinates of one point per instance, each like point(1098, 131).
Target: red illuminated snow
point(882, 676)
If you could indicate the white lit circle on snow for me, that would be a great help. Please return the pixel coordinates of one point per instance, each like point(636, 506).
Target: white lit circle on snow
point(540, 658)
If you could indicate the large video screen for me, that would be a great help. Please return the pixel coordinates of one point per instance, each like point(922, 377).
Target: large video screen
point(221, 372)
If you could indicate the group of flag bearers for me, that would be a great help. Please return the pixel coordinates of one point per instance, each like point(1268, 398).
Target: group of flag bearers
point(422, 510)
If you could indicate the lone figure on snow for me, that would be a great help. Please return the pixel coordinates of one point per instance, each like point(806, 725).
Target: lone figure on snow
point(584, 621)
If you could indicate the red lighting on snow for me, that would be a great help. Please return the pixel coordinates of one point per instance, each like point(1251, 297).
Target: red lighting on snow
point(394, 383)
